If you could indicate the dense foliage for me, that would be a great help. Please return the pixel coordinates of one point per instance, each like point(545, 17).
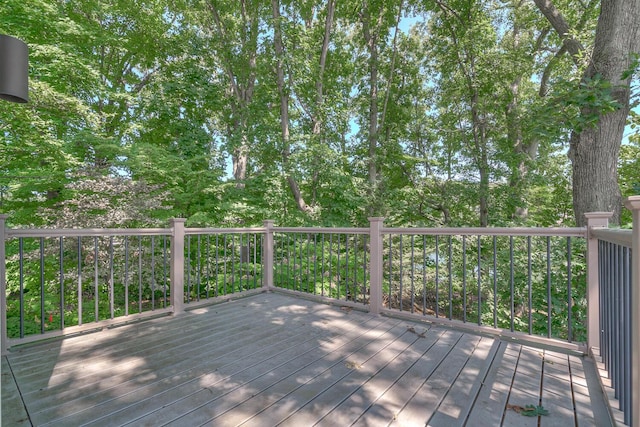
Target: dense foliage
point(227, 113)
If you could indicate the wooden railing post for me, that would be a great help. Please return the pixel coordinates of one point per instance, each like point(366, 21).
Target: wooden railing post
point(177, 264)
point(375, 281)
point(633, 204)
point(594, 220)
point(267, 254)
point(4, 340)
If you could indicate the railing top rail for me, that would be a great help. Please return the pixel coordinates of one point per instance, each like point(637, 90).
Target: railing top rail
point(493, 231)
point(475, 231)
point(322, 230)
point(236, 230)
point(85, 232)
point(613, 235)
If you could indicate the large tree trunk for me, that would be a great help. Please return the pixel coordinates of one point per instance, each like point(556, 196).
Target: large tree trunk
point(594, 150)
point(240, 158)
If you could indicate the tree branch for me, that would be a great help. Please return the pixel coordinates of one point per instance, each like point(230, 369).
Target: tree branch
point(328, 25)
point(222, 34)
point(393, 66)
point(546, 74)
point(557, 21)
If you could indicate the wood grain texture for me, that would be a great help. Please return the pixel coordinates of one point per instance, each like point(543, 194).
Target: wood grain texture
point(274, 359)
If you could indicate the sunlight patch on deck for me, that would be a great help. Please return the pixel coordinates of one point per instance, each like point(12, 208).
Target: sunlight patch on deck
point(271, 359)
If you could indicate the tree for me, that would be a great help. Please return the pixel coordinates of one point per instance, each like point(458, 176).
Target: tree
point(377, 19)
point(34, 137)
point(467, 61)
point(595, 143)
point(233, 43)
point(283, 95)
point(315, 112)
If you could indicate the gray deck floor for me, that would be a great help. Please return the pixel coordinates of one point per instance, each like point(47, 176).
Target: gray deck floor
point(272, 359)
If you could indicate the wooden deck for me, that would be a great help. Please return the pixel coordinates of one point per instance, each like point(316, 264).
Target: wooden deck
point(272, 359)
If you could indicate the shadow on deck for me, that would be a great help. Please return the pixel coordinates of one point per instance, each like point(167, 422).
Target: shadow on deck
point(273, 359)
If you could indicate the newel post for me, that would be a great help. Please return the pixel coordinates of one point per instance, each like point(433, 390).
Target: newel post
point(3, 287)
point(594, 220)
point(177, 264)
point(267, 254)
point(633, 204)
point(375, 280)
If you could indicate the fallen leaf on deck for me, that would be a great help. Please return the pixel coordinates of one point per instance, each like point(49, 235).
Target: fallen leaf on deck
point(412, 329)
point(528, 410)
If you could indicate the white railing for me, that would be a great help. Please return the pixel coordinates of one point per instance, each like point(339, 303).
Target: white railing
point(542, 284)
point(616, 264)
point(65, 281)
point(483, 278)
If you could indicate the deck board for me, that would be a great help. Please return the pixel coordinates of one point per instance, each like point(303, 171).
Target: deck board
point(588, 390)
point(525, 388)
point(314, 399)
point(278, 401)
point(454, 409)
point(273, 359)
point(13, 411)
point(491, 401)
point(361, 403)
point(354, 393)
point(428, 355)
point(555, 397)
point(295, 361)
point(424, 403)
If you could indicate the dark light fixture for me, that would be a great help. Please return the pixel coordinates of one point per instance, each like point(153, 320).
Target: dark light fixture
point(14, 69)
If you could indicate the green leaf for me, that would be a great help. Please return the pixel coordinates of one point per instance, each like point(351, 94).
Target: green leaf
point(534, 411)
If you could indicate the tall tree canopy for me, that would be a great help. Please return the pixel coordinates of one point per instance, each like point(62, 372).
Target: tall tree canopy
point(440, 112)
point(603, 99)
